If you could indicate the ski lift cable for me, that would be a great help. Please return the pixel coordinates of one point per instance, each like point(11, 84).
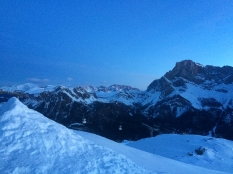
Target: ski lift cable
point(122, 122)
point(125, 123)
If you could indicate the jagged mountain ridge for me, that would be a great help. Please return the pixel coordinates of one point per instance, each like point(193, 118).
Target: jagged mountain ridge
point(190, 98)
point(197, 84)
point(196, 95)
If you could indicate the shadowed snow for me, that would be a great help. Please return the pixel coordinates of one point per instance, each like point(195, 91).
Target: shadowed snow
point(31, 143)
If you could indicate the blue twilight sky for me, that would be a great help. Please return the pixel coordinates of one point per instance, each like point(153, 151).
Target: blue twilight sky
point(105, 42)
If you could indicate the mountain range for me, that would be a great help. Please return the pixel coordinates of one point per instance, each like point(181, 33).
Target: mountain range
point(189, 99)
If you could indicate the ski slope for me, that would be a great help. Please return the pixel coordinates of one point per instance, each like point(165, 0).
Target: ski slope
point(31, 143)
point(218, 153)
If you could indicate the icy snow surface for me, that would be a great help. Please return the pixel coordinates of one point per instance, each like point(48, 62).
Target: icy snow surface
point(31, 143)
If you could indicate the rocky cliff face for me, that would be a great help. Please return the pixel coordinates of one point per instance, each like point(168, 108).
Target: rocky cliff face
point(197, 98)
point(187, 70)
point(190, 98)
point(199, 74)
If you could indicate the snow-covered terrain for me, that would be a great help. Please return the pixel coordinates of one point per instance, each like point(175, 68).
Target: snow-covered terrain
point(222, 93)
point(29, 88)
point(31, 143)
point(217, 152)
point(120, 93)
point(202, 86)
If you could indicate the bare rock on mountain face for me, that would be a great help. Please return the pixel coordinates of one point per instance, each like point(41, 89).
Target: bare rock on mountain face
point(190, 98)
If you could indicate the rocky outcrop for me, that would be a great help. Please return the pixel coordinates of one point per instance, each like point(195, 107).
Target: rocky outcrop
point(187, 69)
point(198, 73)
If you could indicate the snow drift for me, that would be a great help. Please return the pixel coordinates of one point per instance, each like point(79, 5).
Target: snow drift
point(31, 143)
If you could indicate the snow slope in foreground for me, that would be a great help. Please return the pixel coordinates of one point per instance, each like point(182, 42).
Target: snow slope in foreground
point(217, 152)
point(31, 143)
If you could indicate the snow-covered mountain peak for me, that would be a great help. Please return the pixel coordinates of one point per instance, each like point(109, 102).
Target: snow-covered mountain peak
point(115, 87)
point(14, 106)
point(199, 74)
point(194, 83)
point(28, 88)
